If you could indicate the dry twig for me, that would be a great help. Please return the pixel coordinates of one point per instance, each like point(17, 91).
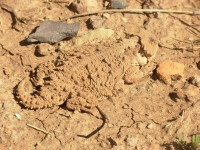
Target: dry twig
point(194, 48)
point(134, 11)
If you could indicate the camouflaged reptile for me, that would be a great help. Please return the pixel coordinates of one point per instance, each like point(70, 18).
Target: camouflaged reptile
point(81, 78)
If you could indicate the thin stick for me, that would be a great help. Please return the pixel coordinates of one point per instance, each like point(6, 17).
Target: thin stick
point(37, 128)
point(194, 48)
point(134, 11)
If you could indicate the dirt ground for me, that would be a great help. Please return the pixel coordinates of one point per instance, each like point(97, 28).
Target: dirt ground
point(147, 115)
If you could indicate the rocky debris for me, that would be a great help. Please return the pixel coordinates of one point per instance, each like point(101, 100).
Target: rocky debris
point(96, 22)
point(119, 4)
point(195, 80)
point(106, 3)
point(81, 6)
point(169, 70)
point(44, 49)
point(188, 92)
point(53, 32)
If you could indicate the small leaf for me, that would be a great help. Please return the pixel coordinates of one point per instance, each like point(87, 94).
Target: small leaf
point(195, 141)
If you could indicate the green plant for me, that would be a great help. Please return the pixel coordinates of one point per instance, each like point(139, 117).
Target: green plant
point(181, 142)
point(195, 142)
point(193, 145)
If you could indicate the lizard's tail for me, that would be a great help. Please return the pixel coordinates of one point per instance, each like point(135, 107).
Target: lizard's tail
point(30, 98)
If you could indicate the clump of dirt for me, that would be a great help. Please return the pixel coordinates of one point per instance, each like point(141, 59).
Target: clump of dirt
point(45, 89)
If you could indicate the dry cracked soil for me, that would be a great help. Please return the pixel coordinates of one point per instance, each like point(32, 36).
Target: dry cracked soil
point(147, 114)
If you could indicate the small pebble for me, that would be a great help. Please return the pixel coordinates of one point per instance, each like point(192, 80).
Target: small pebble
point(79, 6)
point(149, 125)
point(96, 22)
point(76, 112)
point(106, 3)
point(195, 80)
point(119, 4)
point(106, 15)
point(82, 6)
point(169, 70)
point(44, 49)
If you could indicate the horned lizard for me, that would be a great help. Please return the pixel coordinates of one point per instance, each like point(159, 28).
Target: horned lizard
point(80, 78)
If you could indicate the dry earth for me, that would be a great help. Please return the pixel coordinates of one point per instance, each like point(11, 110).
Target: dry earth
point(148, 115)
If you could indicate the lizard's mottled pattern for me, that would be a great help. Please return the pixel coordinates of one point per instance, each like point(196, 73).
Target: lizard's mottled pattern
point(80, 78)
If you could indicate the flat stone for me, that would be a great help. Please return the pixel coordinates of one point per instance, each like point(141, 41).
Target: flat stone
point(53, 32)
point(169, 70)
point(118, 4)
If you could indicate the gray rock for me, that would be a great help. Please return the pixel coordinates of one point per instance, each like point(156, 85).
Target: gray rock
point(118, 4)
point(53, 32)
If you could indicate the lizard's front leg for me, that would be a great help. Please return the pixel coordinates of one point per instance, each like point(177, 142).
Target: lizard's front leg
point(83, 101)
point(134, 73)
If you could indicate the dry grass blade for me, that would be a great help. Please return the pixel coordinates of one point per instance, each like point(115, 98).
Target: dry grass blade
point(197, 41)
point(37, 128)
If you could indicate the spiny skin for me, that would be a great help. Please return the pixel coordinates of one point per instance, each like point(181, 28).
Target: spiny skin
point(80, 79)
